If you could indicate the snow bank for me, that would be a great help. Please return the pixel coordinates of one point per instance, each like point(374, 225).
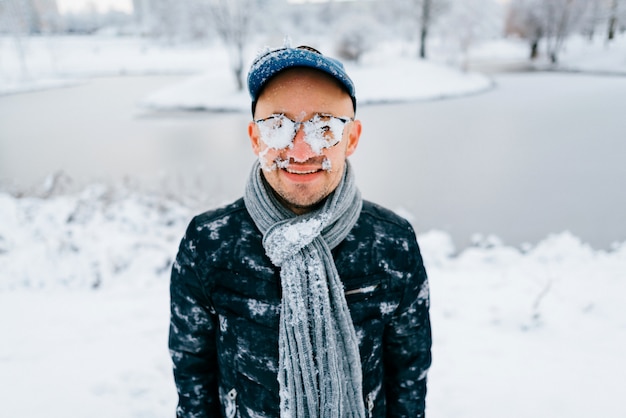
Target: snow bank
point(62, 61)
point(106, 237)
point(401, 79)
point(98, 238)
point(51, 61)
point(388, 74)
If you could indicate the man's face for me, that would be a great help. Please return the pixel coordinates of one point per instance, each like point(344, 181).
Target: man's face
point(304, 172)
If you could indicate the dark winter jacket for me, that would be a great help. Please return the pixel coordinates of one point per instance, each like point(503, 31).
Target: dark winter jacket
point(225, 307)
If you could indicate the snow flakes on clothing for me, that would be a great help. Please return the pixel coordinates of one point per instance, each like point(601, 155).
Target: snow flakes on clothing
point(287, 239)
point(258, 308)
point(214, 227)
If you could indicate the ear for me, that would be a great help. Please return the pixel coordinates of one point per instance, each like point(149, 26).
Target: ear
point(255, 137)
point(353, 136)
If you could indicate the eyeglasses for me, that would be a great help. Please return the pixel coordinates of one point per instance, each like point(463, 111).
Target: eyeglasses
point(321, 131)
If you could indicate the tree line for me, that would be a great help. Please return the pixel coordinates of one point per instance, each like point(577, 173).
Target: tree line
point(554, 20)
point(355, 27)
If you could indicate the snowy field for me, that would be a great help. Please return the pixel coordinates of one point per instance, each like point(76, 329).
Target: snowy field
point(538, 331)
point(518, 332)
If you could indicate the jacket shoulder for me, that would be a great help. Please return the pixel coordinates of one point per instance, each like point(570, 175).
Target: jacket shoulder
point(220, 214)
point(381, 240)
point(221, 224)
point(216, 237)
point(375, 214)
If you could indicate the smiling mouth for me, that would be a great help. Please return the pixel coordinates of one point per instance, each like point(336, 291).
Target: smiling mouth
point(295, 171)
point(310, 167)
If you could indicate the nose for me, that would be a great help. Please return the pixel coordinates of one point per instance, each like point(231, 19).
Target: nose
point(301, 150)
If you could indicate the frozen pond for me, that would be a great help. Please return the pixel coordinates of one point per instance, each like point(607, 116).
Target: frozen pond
point(541, 153)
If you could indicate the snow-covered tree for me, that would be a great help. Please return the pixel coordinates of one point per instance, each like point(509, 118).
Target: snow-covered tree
point(469, 22)
point(420, 15)
point(233, 21)
point(550, 20)
point(356, 29)
point(604, 15)
point(16, 19)
point(425, 23)
point(560, 19)
point(356, 36)
point(167, 18)
point(32, 16)
point(594, 16)
point(174, 20)
point(617, 15)
point(17, 16)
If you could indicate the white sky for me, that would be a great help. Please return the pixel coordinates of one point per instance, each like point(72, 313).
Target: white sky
point(101, 5)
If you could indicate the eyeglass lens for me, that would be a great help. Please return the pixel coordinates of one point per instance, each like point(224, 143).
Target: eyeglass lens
point(321, 131)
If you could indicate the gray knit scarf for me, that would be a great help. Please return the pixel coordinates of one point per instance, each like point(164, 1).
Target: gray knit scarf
point(320, 372)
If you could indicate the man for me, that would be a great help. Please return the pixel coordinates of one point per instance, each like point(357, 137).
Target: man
point(300, 299)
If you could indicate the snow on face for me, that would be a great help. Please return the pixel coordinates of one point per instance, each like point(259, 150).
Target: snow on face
point(263, 160)
point(323, 131)
point(278, 162)
point(278, 133)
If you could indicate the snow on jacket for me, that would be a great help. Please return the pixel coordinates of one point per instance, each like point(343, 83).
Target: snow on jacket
point(225, 308)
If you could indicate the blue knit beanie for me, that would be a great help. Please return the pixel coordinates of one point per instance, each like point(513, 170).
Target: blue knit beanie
point(271, 63)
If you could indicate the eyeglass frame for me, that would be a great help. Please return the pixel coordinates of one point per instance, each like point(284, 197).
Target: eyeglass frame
point(296, 125)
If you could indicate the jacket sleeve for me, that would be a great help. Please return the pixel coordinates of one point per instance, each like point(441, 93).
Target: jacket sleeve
point(407, 350)
point(192, 336)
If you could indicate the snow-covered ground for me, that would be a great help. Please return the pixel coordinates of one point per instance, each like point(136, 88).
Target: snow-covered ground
point(63, 60)
point(536, 331)
point(388, 73)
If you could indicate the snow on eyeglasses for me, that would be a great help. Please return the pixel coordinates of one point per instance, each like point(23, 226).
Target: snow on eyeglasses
point(321, 131)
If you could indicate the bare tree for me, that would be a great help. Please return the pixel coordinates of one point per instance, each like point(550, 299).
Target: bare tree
point(469, 22)
point(560, 18)
point(551, 20)
point(174, 20)
point(356, 36)
point(232, 20)
point(425, 20)
point(16, 19)
point(613, 19)
point(524, 20)
point(356, 28)
point(167, 19)
point(421, 14)
point(592, 17)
